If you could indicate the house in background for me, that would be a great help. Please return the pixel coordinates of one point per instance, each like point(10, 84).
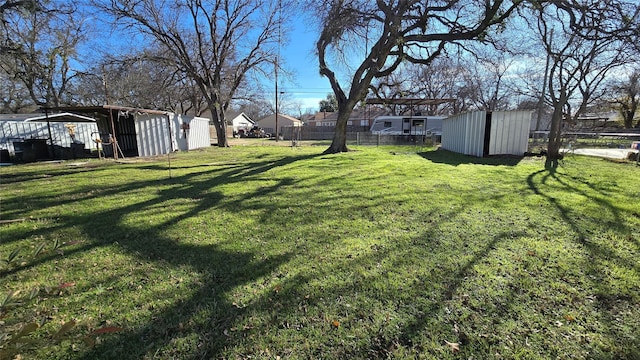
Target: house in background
point(269, 123)
point(239, 121)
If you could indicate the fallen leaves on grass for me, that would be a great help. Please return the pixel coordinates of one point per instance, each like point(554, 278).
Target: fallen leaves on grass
point(66, 285)
point(455, 347)
point(66, 327)
point(335, 324)
point(107, 330)
point(91, 339)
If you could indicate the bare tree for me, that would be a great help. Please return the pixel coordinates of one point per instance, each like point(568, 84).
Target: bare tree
point(258, 108)
point(39, 45)
point(627, 98)
point(138, 80)
point(479, 79)
point(9, 9)
point(487, 81)
point(584, 42)
point(14, 98)
point(442, 79)
point(395, 90)
point(391, 33)
point(215, 43)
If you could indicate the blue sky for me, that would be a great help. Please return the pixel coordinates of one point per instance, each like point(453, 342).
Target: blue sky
point(307, 87)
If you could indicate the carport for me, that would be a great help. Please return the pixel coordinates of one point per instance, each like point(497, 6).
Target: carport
point(30, 137)
point(127, 131)
point(117, 128)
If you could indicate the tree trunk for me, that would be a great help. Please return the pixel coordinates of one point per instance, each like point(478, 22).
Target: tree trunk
point(339, 143)
point(555, 133)
point(217, 116)
point(221, 132)
point(628, 116)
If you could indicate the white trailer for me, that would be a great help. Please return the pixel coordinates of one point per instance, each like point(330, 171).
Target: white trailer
point(407, 125)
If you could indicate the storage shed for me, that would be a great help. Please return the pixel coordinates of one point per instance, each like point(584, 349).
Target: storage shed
point(30, 137)
point(485, 133)
point(144, 132)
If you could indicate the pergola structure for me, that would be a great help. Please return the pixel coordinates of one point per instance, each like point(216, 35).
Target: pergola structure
point(410, 102)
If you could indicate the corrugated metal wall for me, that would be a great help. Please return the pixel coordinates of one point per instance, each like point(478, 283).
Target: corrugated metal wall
point(509, 132)
point(19, 130)
point(197, 136)
point(464, 133)
point(153, 134)
point(201, 137)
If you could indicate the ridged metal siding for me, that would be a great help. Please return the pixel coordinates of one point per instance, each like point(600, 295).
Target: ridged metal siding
point(153, 134)
point(509, 132)
point(464, 133)
point(19, 130)
point(197, 136)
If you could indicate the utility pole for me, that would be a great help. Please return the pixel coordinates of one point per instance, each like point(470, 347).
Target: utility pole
point(276, 73)
point(276, 63)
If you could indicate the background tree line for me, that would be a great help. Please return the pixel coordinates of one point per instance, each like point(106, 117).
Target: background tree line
point(563, 57)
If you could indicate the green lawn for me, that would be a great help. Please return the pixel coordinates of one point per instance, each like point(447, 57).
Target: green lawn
point(267, 252)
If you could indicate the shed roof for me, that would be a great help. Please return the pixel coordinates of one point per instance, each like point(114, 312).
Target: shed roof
point(105, 109)
point(282, 117)
point(59, 117)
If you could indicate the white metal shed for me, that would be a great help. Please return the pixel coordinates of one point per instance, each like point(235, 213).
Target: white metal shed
point(190, 132)
point(145, 132)
point(159, 134)
point(29, 137)
point(483, 133)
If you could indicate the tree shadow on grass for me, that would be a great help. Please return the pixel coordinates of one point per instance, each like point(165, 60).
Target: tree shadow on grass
point(199, 321)
point(26, 174)
point(199, 324)
point(202, 323)
point(442, 156)
point(425, 299)
point(602, 252)
point(381, 278)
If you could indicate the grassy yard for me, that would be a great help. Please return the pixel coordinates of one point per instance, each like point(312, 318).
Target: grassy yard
point(274, 252)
